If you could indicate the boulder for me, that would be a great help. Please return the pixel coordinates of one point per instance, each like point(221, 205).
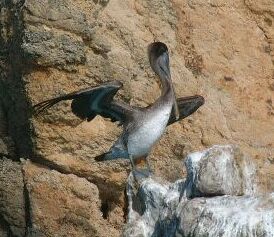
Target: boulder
point(215, 172)
point(158, 208)
point(227, 216)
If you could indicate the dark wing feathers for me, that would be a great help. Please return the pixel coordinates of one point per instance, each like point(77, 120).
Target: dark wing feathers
point(81, 108)
point(87, 103)
point(187, 106)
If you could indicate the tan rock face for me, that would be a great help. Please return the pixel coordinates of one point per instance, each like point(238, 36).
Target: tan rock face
point(12, 200)
point(222, 50)
point(63, 205)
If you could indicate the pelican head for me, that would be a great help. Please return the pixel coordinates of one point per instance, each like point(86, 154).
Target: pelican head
point(159, 62)
point(159, 59)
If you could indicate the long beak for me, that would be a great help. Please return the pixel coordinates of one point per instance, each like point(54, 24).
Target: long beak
point(175, 107)
point(159, 62)
point(166, 70)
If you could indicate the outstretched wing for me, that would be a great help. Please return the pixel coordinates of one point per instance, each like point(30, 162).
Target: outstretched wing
point(187, 106)
point(88, 103)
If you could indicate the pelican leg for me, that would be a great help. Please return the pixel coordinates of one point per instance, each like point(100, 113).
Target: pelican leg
point(138, 174)
point(135, 172)
point(146, 171)
point(132, 162)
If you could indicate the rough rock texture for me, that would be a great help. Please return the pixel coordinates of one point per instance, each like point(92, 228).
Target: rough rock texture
point(63, 205)
point(223, 50)
point(161, 209)
point(220, 170)
point(12, 198)
point(152, 207)
point(227, 216)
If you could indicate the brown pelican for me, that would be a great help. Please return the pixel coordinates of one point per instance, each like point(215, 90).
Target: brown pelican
point(142, 127)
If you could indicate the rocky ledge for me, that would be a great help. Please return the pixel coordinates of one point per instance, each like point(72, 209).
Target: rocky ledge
point(218, 198)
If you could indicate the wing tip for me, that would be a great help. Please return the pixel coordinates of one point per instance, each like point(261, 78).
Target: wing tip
point(197, 99)
point(41, 107)
point(201, 99)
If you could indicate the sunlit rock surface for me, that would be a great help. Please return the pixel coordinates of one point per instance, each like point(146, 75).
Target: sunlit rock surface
point(219, 170)
point(159, 208)
point(63, 205)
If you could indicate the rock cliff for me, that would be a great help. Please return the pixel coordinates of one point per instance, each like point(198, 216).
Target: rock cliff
point(51, 185)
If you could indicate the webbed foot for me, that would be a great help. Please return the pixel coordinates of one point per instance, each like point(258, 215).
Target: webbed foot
point(140, 174)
